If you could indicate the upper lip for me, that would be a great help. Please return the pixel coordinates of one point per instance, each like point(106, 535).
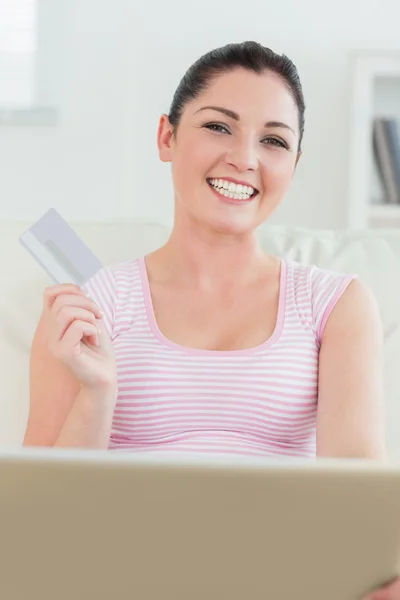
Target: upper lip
point(236, 181)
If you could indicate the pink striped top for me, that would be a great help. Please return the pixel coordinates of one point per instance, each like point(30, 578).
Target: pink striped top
point(258, 401)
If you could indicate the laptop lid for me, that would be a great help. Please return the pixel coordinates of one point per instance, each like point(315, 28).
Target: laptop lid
point(93, 525)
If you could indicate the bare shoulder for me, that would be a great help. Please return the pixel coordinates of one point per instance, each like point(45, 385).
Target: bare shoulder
point(356, 311)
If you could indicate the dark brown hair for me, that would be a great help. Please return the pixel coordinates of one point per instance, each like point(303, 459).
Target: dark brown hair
point(248, 55)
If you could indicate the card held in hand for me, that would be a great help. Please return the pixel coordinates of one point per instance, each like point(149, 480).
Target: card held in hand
point(59, 250)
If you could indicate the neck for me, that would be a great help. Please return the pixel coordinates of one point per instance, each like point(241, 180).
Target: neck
point(209, 260)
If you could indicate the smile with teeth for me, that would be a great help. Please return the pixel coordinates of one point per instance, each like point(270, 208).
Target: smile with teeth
point(232, 190)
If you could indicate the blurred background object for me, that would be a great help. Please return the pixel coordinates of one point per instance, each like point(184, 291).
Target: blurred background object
point(373, 197)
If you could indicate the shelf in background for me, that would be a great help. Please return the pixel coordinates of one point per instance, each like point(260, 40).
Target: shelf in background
point(375, 83)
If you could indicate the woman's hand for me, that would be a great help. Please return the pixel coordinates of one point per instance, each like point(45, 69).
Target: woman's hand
point(390, 591)
point(77, 335)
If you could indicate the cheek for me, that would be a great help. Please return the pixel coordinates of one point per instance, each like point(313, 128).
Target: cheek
point(186, 167)
point(194, 161)
point(190, 153)
point(202, 154)
point(277, 171)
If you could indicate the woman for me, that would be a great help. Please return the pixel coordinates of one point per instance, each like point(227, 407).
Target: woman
point(208, 344)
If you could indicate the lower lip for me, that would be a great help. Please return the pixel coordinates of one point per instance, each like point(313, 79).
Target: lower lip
point(231, 200)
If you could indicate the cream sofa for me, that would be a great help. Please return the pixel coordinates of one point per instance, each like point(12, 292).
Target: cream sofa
point(374, 255)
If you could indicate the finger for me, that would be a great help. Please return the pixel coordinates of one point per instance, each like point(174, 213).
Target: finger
point(75, 334)
point(92, 340)
point(68, 314)
point(51, 293)
point(78, 301)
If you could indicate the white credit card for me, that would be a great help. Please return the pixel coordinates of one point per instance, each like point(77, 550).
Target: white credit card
point(59, 250)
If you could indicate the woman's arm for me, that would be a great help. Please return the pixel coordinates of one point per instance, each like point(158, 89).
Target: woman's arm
point(350, 416)
point(62, 411)
point(88, 424)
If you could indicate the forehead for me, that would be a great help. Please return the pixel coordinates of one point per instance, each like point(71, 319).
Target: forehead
point(252, 95)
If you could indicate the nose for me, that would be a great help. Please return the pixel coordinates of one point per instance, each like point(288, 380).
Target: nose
point(243, 155)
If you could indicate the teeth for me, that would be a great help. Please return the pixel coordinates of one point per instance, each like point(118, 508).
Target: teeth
point(232, 190)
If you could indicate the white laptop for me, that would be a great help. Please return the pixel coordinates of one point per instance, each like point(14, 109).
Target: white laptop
point(83, 525)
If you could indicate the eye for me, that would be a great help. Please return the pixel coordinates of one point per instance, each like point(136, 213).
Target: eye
point(216, 127)
point(276, 141)
point(222, 128)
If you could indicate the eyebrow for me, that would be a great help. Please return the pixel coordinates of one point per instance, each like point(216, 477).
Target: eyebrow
point(234, 115)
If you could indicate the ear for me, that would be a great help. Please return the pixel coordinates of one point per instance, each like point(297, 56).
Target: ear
point(165, 139)
point(298, 158)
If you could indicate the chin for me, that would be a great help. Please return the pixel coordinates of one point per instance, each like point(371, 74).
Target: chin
point(238, 225)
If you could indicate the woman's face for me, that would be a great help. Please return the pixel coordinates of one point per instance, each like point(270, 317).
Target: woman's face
point(250, 138)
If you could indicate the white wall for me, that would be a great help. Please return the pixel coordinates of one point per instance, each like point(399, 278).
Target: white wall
point(112, 68)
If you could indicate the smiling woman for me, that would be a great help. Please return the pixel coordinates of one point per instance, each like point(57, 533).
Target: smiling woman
point(220, 346)
point(237, 118)
point(209, 344)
